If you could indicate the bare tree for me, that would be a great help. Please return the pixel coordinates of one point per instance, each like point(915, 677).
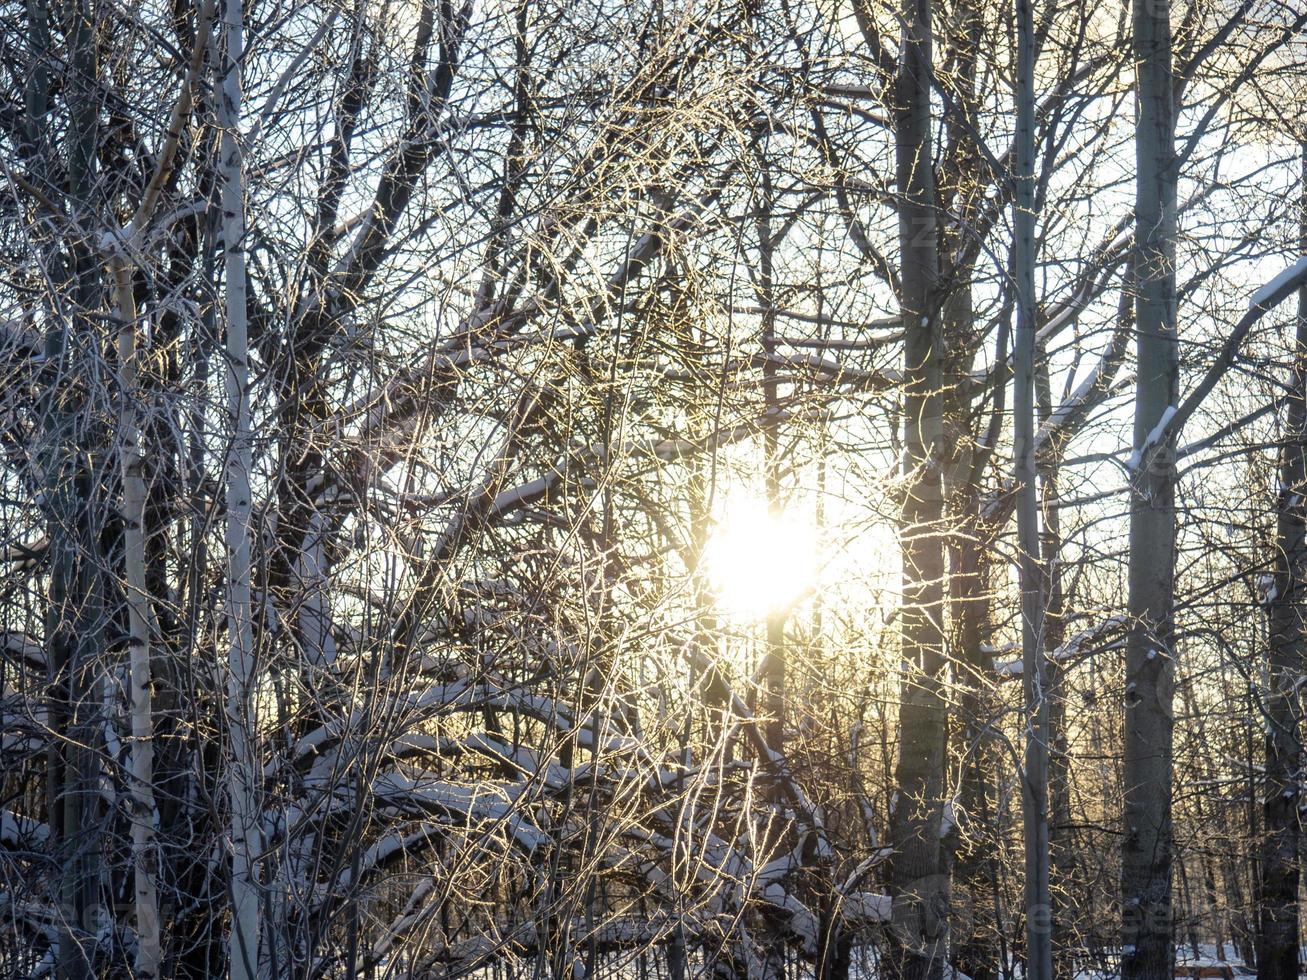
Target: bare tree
point(1150, 654)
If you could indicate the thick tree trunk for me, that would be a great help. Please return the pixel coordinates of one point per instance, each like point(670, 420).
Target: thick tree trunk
point(1277, 934)
point(76, 616)
point(243, 943)
point(919, 886)
point(977, 948)
point(1147, 950)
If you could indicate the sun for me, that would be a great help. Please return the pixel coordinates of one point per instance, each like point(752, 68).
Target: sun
point(760, 561)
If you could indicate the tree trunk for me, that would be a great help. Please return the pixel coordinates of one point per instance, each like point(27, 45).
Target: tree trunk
point(243, 944)
point(919, 927)
point(1277, 934)
point(774, 667)
point(977, 951)
point(1067, 870)
point(1062, 857)
point(1147, 952)
point(76, 617)
point(1039, 949)
point(976, 948)
point(131, 452)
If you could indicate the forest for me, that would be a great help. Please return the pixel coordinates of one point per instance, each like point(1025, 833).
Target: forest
point(653, 489)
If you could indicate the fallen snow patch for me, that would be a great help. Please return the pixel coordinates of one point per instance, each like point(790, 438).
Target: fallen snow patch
point(867, 908)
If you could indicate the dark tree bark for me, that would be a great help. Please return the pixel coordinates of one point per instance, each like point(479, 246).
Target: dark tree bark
point(1147, 950)
point(919, 931)
point(76, 507)
point(1279, 872)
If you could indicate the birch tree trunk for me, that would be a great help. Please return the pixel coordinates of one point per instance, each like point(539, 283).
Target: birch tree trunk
point(1039, 949)
point(243, 943)
point(919, 928)
point(1147, 950)
point(131, 454)
point(1277, 934)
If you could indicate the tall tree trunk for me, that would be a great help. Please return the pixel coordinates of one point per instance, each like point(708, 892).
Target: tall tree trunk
point(1062, 857)
point(1067, 872)
point(774, 664)
point(243, 944)
point(1039, 949)
point(774, 668)
point(131, 451)
point(919, 927)
point(1277, 934)
point(977, 951)
point(75, 630)
point(1148, 953)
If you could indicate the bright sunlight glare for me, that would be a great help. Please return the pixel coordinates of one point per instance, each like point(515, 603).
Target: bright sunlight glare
point(759, 561)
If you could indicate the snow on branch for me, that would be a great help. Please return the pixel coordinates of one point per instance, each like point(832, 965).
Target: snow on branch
point(17, 831)
point(1079, 643)
point(1068, 651)
point(1154, 438)
point(24, 649)
point(492, 806)
point(1264, 300)
point(1288, 281)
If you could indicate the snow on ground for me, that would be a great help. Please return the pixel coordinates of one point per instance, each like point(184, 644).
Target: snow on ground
point(864, 962)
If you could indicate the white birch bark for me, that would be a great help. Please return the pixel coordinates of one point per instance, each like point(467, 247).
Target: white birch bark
point(145, 861)
point(243, 942)
point(314, 620)
point(131, 456)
